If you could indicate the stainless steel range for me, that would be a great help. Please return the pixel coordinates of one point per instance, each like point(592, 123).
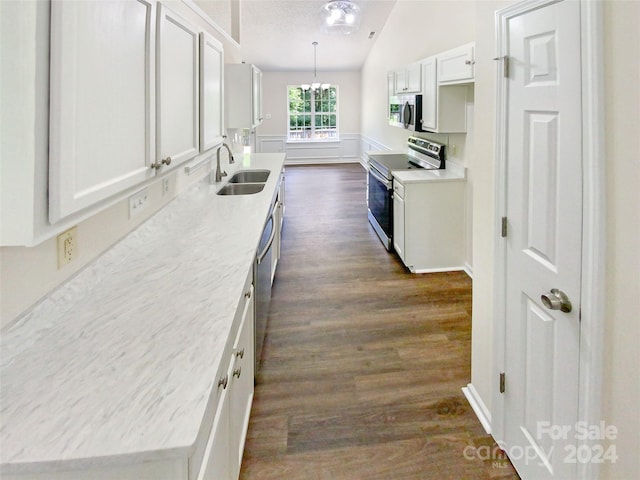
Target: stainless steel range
point(421, 154)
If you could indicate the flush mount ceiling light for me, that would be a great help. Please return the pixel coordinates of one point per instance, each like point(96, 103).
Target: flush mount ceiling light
point(340, 16)
point(315, 85)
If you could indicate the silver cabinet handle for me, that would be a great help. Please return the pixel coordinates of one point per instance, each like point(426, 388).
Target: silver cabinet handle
point(472, 62)
point(223, 381)
point(237, 372)
point(240, 353)
point(164, 161)
point(556, 300)
point(247, 294)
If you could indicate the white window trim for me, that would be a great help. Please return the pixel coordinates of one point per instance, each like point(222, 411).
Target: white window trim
point(336, 139)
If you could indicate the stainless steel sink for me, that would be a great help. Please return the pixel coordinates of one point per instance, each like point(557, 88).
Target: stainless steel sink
point(241, 188)
point(250, 176)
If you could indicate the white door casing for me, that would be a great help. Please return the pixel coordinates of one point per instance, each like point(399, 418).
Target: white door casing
point(571, 38)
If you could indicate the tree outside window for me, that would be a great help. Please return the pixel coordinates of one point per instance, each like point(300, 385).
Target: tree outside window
point(313, 114)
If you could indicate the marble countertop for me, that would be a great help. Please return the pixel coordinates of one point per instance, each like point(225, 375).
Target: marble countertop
point(117, 365)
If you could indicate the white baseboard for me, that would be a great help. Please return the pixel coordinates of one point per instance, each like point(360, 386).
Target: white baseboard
point(436, 270)
point(319, 161)
point(478, 406)
point(468, 269)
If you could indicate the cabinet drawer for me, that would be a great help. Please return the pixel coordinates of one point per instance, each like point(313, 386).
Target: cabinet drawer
point(398, 188)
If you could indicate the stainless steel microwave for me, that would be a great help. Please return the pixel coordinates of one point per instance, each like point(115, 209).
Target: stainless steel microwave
point(405, 111)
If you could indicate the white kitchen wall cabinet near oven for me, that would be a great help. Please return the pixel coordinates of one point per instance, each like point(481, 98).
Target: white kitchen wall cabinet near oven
point(444, 107)
point(457, 65)
point(243, 95)
point(101, 111)
point(211, 92)
point(408, 79)
point(177, 89)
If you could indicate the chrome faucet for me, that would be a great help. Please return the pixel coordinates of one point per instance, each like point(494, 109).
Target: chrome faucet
point(219, 174)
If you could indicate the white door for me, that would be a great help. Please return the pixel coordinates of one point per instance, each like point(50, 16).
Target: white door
point(544, 211)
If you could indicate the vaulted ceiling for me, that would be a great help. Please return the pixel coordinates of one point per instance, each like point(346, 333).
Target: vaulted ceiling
point(277, 35)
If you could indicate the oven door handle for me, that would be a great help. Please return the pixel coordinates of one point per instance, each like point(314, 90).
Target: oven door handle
point(385, 181)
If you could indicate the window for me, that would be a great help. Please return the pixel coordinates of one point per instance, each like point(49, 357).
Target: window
point(313, 114)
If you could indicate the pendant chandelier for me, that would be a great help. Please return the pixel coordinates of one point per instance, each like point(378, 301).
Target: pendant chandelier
point(340, 17)
point(315, 85)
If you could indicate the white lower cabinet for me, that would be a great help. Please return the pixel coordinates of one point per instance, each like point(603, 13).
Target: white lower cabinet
point(428, 231)
point(398, 219)
point(223, 454)
point(278, 218)
point(218, 455)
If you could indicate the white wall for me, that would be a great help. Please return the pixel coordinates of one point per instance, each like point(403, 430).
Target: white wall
point(484, 223)
point(621, 392)
point(272, 134)
point(274, 87)
point(27, 274)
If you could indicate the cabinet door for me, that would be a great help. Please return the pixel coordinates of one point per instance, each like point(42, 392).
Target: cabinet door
point(400, 81)
point(176, 88)
point(211, 92)
point(414, 78)
point(241, 388)
point(391, 90)
point(100, 104)
point(429, 95)
point(457, 65)
point(398, 223)
point(216, 463)
point(256, 76)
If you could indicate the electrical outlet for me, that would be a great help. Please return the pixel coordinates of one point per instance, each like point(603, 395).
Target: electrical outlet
point(67, 247)
point(165, 186)
point(138, 202)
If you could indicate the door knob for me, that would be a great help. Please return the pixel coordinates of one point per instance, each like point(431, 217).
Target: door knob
point(556, 300)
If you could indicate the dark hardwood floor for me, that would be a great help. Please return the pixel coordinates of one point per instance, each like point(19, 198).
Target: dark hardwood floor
point(363, 362)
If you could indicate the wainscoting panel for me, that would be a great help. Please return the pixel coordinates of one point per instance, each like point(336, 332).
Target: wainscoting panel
point(345, 150)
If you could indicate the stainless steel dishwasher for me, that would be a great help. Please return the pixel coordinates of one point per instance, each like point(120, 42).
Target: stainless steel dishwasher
point(262, 282)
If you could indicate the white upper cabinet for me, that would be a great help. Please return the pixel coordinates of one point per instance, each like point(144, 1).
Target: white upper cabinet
point(243, 95)
point(211, 92)
point(444, 107)
point(429, 95)
point(391, 90)
point(457, 65)
point(408, 79)
point(177, 96)
point(256, 87)
point(101, 133)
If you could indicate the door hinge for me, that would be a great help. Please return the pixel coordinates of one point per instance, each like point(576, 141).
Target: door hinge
point(503, 227)
point(502, 382)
